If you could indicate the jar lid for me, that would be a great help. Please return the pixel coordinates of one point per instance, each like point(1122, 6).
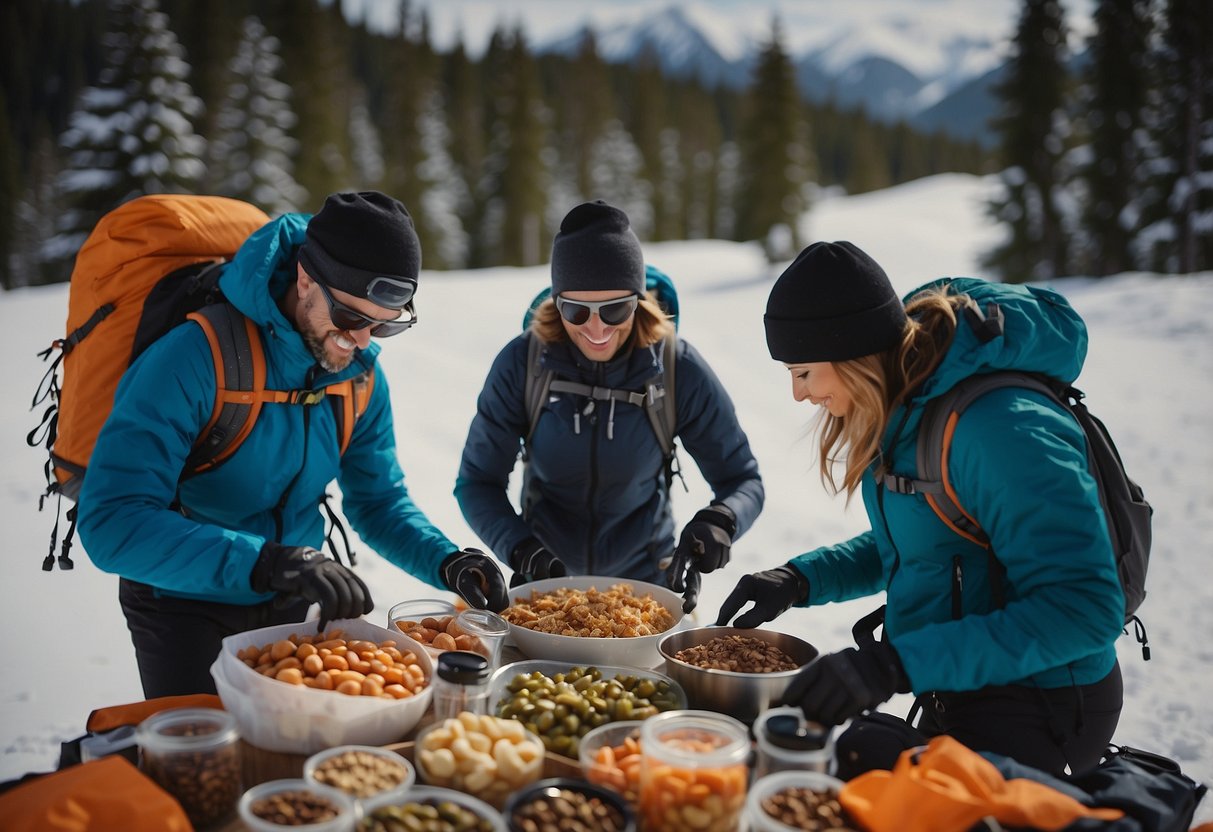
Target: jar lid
point(187, 729)
point(789, 732)
point(463, 667)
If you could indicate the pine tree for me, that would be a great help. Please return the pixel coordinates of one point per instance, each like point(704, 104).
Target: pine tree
point(446, 198)
point(252, 152)
point(1113, 101)
point(131, 134)
point(1034, 132)
point(515, 180)
point(615, 169)
point(366, 147)
point(1178, 236)
point(775, 155)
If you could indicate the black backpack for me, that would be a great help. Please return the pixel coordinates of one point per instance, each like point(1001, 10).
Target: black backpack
point(1125, 507)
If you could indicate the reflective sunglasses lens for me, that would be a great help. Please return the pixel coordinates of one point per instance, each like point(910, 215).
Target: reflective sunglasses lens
point(575, 313)
point(390, 328)
point(347, 319)
point(614, 314)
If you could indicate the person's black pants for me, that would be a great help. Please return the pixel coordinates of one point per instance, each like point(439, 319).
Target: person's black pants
point(1043, 728)
point(177, 639)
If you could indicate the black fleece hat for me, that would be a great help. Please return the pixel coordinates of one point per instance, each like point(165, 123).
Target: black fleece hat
point(834, 303)
point(357, 237)
point(596, 250)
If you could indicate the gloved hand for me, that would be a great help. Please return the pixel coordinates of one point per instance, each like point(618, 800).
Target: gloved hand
point(703, 547)
point(838, 686)
point(532, 562)
point(477, 578)
point(772, 591)
point(304, 572)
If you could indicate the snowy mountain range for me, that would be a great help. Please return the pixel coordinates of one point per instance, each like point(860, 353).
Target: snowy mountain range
point(887, 66)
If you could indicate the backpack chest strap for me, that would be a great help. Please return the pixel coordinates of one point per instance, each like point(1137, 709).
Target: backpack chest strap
point(633, 397)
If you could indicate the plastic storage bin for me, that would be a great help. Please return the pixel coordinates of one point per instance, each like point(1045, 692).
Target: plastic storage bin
point(194, 755)
point(693, 774)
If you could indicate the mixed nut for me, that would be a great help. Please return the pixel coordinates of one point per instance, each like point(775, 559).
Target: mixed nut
point(361, 773)
point(294, 808)
point(740, 654)
point(802, 808)
point(569, 810)
point(205, 782)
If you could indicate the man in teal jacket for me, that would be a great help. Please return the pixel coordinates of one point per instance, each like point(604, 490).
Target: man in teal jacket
point(1035, 678)
point(236, 547)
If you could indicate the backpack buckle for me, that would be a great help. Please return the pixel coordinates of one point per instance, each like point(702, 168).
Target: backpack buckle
point(306, 397)
point(899, 484)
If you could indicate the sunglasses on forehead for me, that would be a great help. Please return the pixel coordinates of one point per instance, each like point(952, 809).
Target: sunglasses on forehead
point(610, 312)
point(349, 319)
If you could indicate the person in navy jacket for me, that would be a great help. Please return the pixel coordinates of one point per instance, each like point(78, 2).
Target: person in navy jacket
point(595, 492)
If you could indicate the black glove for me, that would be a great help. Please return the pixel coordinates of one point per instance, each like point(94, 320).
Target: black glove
point(703, 547)
point(772, 592)
point(838, 686)
point(532, 562)
point(477, 578)
point(306, 573)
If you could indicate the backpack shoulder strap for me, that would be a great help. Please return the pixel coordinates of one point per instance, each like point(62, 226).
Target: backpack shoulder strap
point(350, 400)
point(239, 379)
point(935, 434)
point(662, 405)
point(537, 385)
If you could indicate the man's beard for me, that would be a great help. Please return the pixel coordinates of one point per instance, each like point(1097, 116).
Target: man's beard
point(316, 344)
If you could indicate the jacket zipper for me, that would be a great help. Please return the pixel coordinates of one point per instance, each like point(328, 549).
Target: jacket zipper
point(593, 493)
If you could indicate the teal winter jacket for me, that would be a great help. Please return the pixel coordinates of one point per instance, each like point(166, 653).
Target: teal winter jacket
point(208, 548)
point(1019, 465)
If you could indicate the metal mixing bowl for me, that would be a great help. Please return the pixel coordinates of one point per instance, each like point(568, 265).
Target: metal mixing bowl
point(740, 695)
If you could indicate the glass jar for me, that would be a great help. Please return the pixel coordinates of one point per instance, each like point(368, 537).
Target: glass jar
point(788, 742)
point(194, 755)
point(693, 772)
point(461, 683)
point(487, 630)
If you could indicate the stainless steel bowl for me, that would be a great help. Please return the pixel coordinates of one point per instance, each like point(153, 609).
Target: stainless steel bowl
point(740, 695)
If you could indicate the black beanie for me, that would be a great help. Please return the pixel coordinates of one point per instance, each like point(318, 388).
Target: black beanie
point(357, 237)
point(834, 303)
point(596, 250)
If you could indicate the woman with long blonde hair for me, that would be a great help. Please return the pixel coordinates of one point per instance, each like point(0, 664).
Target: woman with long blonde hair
point(1012, 654)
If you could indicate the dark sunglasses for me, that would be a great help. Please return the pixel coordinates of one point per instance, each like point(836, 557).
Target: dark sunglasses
point(611, 312)
point(349, 319)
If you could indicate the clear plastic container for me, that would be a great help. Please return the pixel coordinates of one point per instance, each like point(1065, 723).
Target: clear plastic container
point(549, 790)
point(427, 796)
point(693, 774)
point(788, 742)
point(194, 755)
point(461, 683)
point(757, 819)
point(302, 796)
point(361, 771)
point(488, 631)
point(464, 755)
point(619, 770)
point(407, 617)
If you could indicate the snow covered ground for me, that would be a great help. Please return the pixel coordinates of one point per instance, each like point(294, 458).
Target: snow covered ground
point(1149, 375)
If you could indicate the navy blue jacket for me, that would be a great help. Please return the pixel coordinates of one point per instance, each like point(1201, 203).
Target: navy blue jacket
point(600, 504)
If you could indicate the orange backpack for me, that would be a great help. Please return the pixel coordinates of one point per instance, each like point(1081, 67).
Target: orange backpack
point(147, 266)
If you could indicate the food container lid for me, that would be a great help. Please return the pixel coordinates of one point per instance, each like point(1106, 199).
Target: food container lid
point(675, 736)
point(463, 667)
point(187, 729)
point(787, 729)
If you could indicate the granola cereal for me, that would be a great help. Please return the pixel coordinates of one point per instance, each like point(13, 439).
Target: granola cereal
point(616, 613)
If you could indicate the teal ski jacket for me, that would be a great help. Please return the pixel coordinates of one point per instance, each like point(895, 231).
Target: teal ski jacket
point(207, 549)
point(1019, 465)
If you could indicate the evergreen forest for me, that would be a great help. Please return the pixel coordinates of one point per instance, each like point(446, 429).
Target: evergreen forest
point(1105, 163)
